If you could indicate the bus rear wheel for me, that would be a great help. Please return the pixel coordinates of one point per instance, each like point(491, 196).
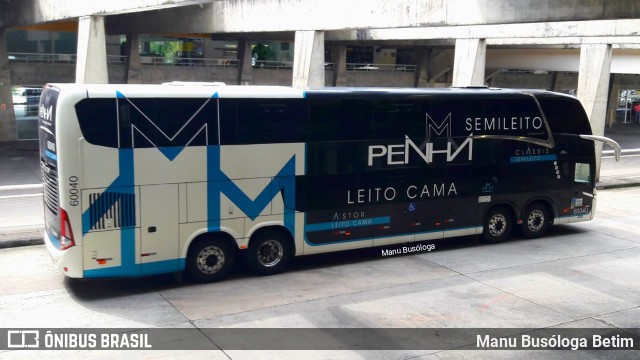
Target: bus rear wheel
point(269, 253)
point(209, 260)
point(536, 221)
point(497, 225)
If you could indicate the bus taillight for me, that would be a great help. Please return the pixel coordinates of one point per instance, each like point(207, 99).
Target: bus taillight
point(66, 234)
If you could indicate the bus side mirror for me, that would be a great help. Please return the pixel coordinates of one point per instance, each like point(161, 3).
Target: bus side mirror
point(617, 151)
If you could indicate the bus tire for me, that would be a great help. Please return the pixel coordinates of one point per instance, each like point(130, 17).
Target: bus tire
point(497, 225)
point(536, 221)
point(210, 260)
point(269, 253)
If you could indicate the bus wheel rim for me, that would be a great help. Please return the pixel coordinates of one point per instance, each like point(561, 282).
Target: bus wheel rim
point(535, 220)
point(270, 253)
point(497, 225)
point(210, 260)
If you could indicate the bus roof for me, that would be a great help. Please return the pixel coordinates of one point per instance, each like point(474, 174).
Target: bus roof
point(265, 91)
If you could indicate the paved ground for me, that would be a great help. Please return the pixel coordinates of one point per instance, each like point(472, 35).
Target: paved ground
point(21, 214)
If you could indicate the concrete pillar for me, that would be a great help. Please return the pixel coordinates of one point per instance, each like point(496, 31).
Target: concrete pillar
point(423, 69)
point(133, 66)
point(593, 87)
point(339, 60)
point(469, 61)
point(52, 39)
point(91, 67)
point(614, 93)
point(245, 67)
point(308, 59)
point(553, 84)
point(7, 115)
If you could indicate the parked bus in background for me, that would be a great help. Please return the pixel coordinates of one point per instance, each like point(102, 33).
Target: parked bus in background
point(148, 179)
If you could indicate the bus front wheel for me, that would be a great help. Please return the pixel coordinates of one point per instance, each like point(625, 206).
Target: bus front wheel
point(536, 221)
point(269, 253)
point(497, 225)
point(210, 260)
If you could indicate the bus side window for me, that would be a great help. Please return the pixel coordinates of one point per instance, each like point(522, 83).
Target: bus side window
point(124, 115)
point(263, 121)
point(582, 173)
point(340, 120)
point(394, 119)
point(98, 121)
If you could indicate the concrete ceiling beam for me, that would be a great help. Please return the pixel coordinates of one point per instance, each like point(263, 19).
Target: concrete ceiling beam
point(575, 31)
point(228, 16)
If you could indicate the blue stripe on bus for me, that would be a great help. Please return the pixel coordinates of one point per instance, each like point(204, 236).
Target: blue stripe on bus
point(124, 184)
point(51, 155)
point(347, 224)
point(163, 267)
point(152, 268)
point(171, 152)
point(388, 236)
point(575, 216)
point(533, 158)
point(53, 240)
point(213, 191)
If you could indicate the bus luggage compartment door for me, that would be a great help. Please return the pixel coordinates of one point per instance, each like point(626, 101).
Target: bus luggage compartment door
point(159, 229)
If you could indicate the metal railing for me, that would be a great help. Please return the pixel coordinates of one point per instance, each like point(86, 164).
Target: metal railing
point(198, 62)
point(380, 67)
point(268, 64)
point(42, 58)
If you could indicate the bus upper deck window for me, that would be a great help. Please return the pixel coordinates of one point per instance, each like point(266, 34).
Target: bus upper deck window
point(583, 172)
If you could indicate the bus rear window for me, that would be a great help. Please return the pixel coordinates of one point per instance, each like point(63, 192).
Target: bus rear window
point(583, 173)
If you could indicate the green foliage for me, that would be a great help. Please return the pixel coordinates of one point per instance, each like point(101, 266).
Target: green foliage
point(166, 49)
point(261, 52)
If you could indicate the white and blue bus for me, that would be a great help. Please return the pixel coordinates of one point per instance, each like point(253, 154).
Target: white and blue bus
point(149, 179)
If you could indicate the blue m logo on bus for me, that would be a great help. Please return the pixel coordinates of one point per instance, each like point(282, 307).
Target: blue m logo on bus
point(146, 130)
point(219, 183)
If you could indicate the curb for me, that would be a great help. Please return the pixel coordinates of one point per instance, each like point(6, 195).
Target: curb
point(616, 185)
point(21, 237)
point(6, 244)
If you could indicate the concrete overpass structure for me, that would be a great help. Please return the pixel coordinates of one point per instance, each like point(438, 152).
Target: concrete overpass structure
point(471, 39)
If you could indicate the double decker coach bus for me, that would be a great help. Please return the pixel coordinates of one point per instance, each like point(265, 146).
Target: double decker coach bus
point(148, 179)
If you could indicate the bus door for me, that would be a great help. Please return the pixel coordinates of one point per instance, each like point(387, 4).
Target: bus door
point(461, 206)
point(159, 228)
point(423, 214)
point(574, 178)
point(401, 206)
point(582, 198)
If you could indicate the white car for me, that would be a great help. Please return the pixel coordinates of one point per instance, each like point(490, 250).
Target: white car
point(368, 67)
point(26, 95)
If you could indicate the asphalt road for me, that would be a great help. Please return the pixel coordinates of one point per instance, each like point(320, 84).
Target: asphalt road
point(584, 275)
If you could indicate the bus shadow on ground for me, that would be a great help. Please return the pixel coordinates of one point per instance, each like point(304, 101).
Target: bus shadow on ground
point(93, 289)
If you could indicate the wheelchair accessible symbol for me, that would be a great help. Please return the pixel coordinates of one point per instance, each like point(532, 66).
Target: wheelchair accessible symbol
point(412, 207)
